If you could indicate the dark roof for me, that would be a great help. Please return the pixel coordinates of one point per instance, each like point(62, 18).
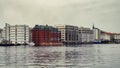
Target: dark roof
point(44, 27)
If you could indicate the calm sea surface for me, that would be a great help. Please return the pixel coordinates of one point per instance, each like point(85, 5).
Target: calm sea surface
point(83, 56)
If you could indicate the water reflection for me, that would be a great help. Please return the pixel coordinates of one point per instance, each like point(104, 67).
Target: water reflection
point(13, 57)
point(53, 57)
point(87, 56)
point(47, 57)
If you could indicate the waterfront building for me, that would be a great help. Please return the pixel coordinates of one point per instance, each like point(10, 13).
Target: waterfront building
point(1, 39)
point(116, 37)
point(30, 34)
point(105, 37)
point(69, 34)
point(45, 35)
point(16, 34)
point(85, 35)
point(96, 35)
point(0, 33)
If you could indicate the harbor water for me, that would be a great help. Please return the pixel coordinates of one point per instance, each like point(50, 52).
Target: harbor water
point(82, 56)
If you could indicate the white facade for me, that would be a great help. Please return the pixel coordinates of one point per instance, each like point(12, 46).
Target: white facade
point(105, 37)
point(85, 35)
point(116, 36)
point(18, 34)
point(69, 34)
point(96, 35)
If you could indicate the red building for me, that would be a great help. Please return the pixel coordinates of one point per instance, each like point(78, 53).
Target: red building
point(45, 35)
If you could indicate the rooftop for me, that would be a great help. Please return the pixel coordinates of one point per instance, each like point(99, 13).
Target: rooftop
point(44, 27)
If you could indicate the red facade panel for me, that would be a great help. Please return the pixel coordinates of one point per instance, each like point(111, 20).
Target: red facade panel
point(45, 37)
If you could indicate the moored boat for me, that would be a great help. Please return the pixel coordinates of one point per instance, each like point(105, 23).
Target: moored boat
point(31, 44)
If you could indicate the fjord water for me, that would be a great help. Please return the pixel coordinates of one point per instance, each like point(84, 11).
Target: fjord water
point(82, 56)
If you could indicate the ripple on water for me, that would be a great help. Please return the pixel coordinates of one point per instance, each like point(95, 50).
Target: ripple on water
point(88, 56)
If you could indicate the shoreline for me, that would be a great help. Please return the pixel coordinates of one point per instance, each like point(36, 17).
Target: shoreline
point(55, 45)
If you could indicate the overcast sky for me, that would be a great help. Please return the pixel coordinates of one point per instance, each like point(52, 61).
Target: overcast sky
point(104, 14)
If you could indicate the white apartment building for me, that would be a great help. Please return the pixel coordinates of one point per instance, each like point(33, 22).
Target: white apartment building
point(105, 36)
point(116, 37)
point(96, 35)
point(69, 33)
point(85, 35)
point(16, 34)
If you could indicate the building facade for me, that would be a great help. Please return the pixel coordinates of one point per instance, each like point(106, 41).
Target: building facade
point(16, 34)
point(96, 35)
point(85, 35)
point(105, 36)
point(116, 37)
point(45, 35)
point(0, 33)
point(1, 39)
point(69, 34)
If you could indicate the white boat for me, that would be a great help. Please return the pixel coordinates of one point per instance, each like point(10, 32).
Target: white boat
point(31, 44)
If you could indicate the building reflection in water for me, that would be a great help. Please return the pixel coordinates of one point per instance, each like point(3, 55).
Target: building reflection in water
point(15, 57)
point(58, 57)
point(47, 57)
point(50, 57)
